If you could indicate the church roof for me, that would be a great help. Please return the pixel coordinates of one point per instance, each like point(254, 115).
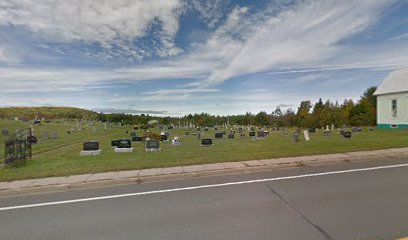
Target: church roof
point(395, 82)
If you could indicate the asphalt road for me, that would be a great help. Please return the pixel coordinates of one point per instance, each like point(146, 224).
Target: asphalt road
point(369, 204)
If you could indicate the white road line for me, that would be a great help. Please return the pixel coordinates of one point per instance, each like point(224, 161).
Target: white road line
point(201, 187)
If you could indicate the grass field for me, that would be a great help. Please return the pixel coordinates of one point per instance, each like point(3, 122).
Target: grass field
point(59, 157)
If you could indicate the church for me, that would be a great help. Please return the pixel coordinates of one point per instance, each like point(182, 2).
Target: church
point(392, 100)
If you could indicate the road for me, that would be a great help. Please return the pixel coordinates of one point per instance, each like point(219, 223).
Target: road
point(323, 202)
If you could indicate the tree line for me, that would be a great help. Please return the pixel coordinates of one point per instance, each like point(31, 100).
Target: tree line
point(319, 114)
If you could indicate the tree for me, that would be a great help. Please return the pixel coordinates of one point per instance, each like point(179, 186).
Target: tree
point(262, 119)
point(303, 112)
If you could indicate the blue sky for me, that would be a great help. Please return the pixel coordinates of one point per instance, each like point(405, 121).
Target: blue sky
point(175, 57)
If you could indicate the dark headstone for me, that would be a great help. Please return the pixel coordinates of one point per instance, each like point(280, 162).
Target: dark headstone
point(91, 146)
point(218, 135)
point(347, 134)
point(163, 138)
point(152, 144)
point(312, 130)
point(242, 135)
point(114, 143)
point(206, 142)
point(187, 133)
point(252, 134)
point(215, 129)
point(231, 136)
point(137, 139)
point(194, 134)
point(37, 121)
point(261, 134)
point(135, 128)
point(124, 143)
point(232, 132)
point(206, 129)
point(32, 139)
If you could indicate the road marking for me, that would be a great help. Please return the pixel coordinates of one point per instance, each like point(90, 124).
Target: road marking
point(201, 187)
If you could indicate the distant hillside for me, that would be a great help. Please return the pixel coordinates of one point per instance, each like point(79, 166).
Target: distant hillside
point(30, 113)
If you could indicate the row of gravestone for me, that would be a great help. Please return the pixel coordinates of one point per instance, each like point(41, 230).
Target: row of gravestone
point(119, 145)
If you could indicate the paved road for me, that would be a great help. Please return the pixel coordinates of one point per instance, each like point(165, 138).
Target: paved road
point(353, 205)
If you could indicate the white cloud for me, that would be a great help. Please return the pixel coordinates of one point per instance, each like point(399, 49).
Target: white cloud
point(109, 23)
point(304, 36)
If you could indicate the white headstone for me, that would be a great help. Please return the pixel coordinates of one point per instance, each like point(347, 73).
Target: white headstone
point(306, 134)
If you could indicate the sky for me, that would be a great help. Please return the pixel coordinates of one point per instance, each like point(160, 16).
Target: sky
point(175, 57)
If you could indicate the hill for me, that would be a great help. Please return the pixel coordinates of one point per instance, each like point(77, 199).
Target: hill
point(30, 113)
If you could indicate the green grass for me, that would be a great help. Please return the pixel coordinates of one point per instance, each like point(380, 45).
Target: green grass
point(60, 157)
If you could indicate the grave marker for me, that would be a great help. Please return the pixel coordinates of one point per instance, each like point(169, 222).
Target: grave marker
point(137, 139)
point(206, 142)
point(295, 137)
point(152, 145)
point(218, 135)
point(90, 148)
point(306, 135)
point(347, 134)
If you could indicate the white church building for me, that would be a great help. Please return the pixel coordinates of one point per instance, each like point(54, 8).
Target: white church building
point(392, 100)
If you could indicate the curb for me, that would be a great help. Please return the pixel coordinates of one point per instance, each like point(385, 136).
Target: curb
point(185, 172)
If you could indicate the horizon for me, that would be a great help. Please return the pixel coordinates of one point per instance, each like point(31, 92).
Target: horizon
point(179, 57)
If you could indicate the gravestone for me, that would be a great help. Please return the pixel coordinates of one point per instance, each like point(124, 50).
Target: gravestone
point(295, 137)
point(206, 129)
point(327, 132)
point(32, 139)
point(347, 134)
point(114, 143)
point(232, 132)
point(152, 145)
point(252, 134)
point(306, 135)
point(261, 134)
point(135, 128)
point(163, 138)
point(231, 136)
point(194, 134)
point(5, 132)
point(187, 133)
point(91, 146)
point(242, 135)
point(124, 145)
point(170, 127)
point(198, 129)
point(137, 139)
point(312, 130)
point(206, 142)
point(215, 129)
point(218, 135)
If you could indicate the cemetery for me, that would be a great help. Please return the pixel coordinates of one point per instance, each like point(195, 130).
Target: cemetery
point(76, 147)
